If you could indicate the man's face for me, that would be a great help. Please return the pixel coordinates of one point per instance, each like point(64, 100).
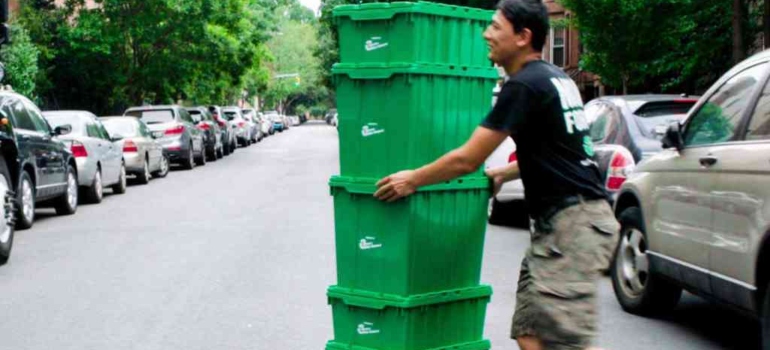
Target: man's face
point(502, 41)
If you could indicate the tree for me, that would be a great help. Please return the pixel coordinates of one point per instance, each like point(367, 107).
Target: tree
point(21, 59)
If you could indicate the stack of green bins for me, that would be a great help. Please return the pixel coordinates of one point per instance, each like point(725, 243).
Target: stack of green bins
point(413, 83)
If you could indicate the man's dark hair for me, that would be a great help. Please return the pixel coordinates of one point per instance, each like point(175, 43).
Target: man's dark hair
point(530, 14)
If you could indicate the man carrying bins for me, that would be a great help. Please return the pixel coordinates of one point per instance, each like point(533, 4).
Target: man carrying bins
point(575, 231)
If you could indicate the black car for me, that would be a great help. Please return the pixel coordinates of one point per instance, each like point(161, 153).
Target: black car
point(211, 131)
point(182, 141)
point(41, 167)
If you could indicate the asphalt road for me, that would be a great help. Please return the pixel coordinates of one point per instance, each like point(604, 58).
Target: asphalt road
point(238, 255)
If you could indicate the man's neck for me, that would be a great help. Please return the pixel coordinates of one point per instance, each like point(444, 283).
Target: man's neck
point(518, 63)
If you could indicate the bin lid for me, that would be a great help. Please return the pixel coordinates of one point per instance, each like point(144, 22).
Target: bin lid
point(364, 185)
point(385, 71)
point(379, 301)
point(385, 11)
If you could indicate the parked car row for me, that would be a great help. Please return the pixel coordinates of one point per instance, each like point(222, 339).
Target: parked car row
point(690, 178)
point(60, 159)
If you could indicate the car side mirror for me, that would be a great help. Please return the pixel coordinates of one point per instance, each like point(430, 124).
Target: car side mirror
point(673, 137)
point(62, 130)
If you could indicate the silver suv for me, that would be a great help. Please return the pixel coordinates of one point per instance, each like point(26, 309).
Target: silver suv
point(697, 215)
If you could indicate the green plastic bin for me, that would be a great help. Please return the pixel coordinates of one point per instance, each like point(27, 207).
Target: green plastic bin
point(446, 320)
point(430, 241)
point(421, 32)
point(402, 116)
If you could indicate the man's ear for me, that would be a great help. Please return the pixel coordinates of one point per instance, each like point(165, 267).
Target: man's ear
point(524, 37)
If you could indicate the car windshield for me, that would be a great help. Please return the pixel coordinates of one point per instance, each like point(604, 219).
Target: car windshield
point(231, 115)
point(59, 119)
point(154, 116)
point(123, 127)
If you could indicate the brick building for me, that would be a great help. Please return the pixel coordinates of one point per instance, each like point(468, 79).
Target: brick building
point(563, 49)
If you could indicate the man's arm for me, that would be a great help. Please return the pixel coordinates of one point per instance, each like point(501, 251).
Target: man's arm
point(461, 161)
point(502, 175)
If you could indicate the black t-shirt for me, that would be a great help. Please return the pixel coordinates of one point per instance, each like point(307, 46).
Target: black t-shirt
point(542, 109)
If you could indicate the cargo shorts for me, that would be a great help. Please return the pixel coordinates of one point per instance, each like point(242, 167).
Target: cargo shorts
point(556, 296)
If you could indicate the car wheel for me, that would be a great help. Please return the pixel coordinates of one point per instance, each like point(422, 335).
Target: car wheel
point(120, 187)
point(95, 193)
point(67, 204)
point(6, 213)
point(637, 289)
point(202, 159)
point(163, 171)
point(144, 177)
point(189, 161)
point(226, 149)
point(25, 197)
point(512, 214)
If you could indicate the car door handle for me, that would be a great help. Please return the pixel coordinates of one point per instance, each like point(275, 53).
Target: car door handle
point(708, 161)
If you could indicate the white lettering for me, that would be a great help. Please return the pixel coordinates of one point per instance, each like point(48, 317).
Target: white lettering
point(571, 104)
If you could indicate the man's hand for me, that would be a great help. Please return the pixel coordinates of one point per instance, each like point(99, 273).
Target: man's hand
point(396, 186)
point(497, 180)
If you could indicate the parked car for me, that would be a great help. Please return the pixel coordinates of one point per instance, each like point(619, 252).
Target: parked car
point(696, 216)
point(142, 153)
point(99, 158)
point(335, 120)
point(234, 116)
point(254, 128)
point(294, 120)
point(278, 123)
point(212, 134)
point(228, 133)
point(8, 161)
point(265, 125)
point(272, 116)
point(182, 141)
point(286, 122)
point(636, 122)
point(329, 115)
point(44, 172)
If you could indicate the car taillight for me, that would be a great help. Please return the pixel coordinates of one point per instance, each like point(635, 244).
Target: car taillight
point(241, 124)
point(512, 158)
point(130, 146)
point(177, 130)
point(621, 165)
point(78, 149)
point(204, 126)
point(221, 123)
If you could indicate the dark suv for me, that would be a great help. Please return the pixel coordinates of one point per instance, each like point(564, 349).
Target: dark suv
point(211, 131)
point(42, 168)
point(182, 141)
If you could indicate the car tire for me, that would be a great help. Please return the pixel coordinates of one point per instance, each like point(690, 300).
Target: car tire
point(25, 199)
point(67, 203)
point(120, 187)
point(189, 161)
point(637, 290)
point(220, 152)
point(511, 214)
point(6, 213)
point(164, 167)
point(95, 192)
point(144, 176)
point(201, 161)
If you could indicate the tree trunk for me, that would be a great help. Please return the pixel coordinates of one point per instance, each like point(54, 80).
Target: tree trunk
point(766, 24)
point(738, 54)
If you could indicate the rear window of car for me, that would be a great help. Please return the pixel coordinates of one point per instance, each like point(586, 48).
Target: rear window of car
point(59, 119)
point(125, 128)
point(661, 108)
point(155, 116)
point(230, 115)
point(603, 118)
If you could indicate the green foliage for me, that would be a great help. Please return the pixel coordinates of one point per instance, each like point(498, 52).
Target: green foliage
point(656, 45)
point(21, 59)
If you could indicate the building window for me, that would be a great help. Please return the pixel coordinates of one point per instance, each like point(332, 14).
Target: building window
point(557, 46)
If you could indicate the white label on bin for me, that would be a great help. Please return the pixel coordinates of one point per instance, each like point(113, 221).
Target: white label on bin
point(374, 44)
point(371, 129)
point(368, 243)
point(367, 328)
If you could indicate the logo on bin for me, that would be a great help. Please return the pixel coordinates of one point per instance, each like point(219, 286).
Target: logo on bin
point(368, 243)
point(366, 328)
point(371, 129)
point(374, 44)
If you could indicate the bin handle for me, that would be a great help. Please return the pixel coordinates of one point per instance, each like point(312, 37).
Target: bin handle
point(362, 302)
